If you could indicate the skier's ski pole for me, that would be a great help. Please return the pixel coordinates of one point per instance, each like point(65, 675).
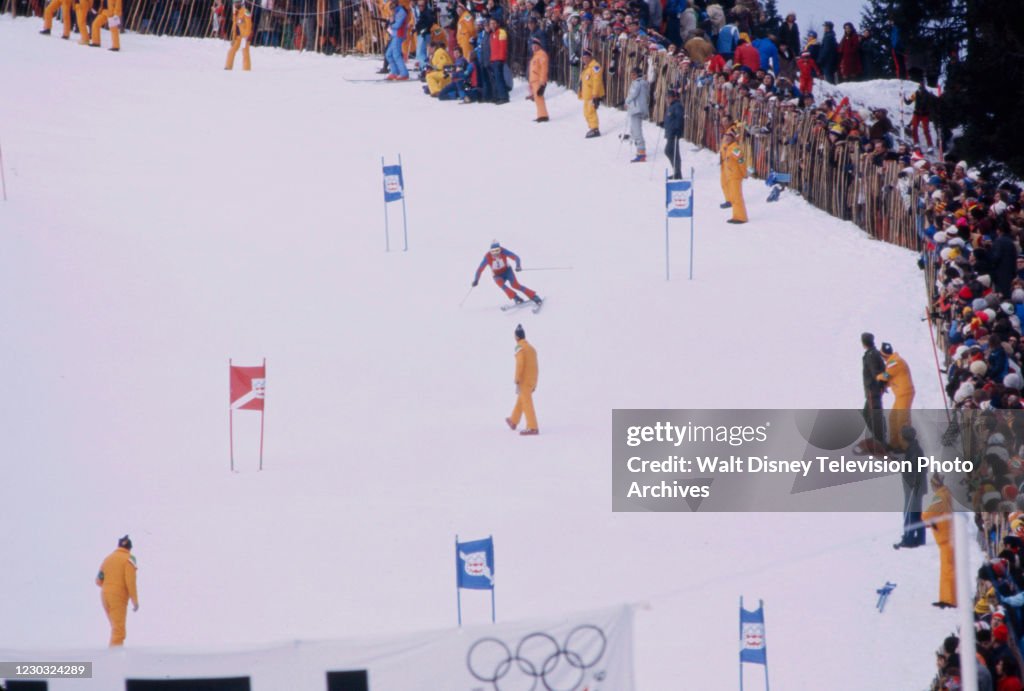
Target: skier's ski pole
point(547, 268)
point(466, 295)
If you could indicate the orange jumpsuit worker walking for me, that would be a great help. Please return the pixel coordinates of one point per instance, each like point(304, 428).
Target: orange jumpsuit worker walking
point(733, 171)
point(117, 580)
point(110, 13)
point(539, 79)
point(241, 32)
point(82, 10)
point(65, 14)
point(939, 515)
point(527, 372)
point(897, 376)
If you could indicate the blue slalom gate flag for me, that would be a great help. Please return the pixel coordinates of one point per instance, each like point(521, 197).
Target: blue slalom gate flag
point(752, 641)
point(679, 198)
point(394, 186)
point(474, 564)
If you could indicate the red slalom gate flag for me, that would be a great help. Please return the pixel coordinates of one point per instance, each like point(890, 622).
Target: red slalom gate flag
point(248, 387)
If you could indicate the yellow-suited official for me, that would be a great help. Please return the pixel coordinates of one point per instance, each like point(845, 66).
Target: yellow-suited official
point(591, 91)
point(117, 580)
point(110, 14)
point(51, 9)
point(241, 32)
point(527, 372)
point(734, 170)
point(82, 10)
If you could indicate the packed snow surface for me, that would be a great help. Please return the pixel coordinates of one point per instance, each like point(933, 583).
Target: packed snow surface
point(165, 215)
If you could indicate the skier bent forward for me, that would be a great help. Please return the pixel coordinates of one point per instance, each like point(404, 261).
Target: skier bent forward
point(499, 259)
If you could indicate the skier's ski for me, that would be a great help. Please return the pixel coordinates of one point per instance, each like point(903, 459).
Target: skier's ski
point(525, 303)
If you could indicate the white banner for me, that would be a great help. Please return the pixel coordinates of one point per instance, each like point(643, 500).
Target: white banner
point(591, 651)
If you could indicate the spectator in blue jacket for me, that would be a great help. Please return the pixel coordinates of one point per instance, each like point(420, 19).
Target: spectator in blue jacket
point(769, 53)
point(397, 29)
point(728, 39)
point(461, 85)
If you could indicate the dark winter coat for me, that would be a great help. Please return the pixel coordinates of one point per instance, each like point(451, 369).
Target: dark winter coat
point(880, 128)
point(1004, 263)
point(828, 58)
point(874, 364)
point(913, 480)
point(790, 36)
point(673, 123)
point(427, 19)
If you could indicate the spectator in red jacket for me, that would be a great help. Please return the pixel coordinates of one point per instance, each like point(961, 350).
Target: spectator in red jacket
point(808, 69)
point(747, 55)
point(849, 54)
point(499, 55)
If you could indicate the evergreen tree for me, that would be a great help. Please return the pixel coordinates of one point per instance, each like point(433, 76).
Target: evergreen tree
point(875, 18)
point(985, 91)
point(772, 20)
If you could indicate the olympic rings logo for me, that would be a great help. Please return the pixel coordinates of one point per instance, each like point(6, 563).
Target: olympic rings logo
point(539, 659)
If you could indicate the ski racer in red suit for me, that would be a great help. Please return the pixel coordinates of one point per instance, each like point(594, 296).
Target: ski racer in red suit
point(500, 260)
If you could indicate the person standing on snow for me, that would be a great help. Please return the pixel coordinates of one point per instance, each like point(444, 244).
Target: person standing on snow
point(527, 372)
point(110, 14)
point(117, 580)
point(538, 79)
point(872, 366)
point(673, 125)
point(591, 92)
point(499, 259)
point(734, 170)
point(397, 30)
point(913, 493)
point(939, 515)
point(897, 376)
point(638, 106)
point(241, 32)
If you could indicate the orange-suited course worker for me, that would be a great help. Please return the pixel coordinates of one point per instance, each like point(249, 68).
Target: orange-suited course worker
point(526, 383)
point(734, 169)
point(897, 377)
point(241, 32)
point(51, 9)
point(465, 30)
point(591, 91)
point(939, 515)
point(110, 13)
point(539, 79)
point(82, 10)
point(117, 580)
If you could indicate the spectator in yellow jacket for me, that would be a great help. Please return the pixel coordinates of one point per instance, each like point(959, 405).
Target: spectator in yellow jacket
point(527, 372)
point(437, 78)
point(116, 579)
point(465, 30)
point(539, 79)
point(591, 91)
point(110, 13)
point(897, 377)
point(51, 9)
point(82, 10)
point(241, 32)
point(939, 515)
point(734, 170)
